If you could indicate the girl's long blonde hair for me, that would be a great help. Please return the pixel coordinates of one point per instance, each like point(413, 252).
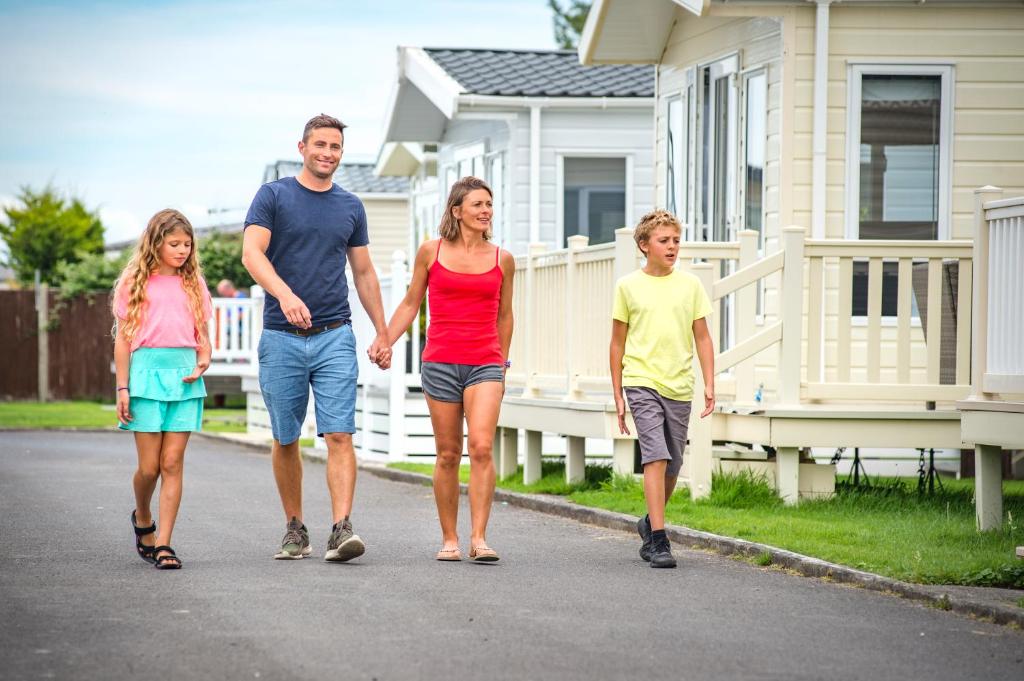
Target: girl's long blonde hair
point(449, 227)
point(146, 260)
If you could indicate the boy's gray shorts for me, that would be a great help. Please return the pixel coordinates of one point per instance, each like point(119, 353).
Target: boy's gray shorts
point(446, 382)
point(661, 426)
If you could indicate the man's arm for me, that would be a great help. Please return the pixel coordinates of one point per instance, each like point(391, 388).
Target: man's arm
point(706, 355)
point(616, 349)
point(255, 242)
point(368, 288)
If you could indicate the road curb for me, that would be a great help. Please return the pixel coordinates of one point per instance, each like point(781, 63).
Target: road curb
point(804, 565)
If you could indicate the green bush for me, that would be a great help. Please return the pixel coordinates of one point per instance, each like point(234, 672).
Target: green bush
point(221, 257)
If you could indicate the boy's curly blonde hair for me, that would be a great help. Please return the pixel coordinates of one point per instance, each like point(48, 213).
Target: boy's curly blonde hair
point(650, 222)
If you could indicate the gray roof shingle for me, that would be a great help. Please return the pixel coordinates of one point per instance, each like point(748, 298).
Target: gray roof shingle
point(541, 73)
point(357, 178)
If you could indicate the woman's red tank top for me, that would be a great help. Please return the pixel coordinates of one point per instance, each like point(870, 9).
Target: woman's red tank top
point(463, 308)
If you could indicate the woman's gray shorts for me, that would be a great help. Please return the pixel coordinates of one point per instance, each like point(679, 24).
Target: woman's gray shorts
point(661, 426)
point(446, 382)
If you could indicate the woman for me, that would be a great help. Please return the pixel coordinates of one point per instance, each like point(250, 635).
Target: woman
point(466, 356)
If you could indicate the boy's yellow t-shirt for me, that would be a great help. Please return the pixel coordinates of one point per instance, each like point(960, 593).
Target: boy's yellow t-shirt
point(660, 312)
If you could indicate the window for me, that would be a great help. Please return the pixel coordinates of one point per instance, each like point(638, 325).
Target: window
point(898, 163)
point(593, 197)
point(679, 117)
point(755, 117)
point(718, 149)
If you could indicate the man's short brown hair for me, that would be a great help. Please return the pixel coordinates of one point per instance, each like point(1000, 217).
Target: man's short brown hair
point(323, 121)
point(651, 221)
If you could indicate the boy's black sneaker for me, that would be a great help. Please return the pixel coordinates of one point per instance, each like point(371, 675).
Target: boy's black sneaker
point(661, 553)
point(643, 527)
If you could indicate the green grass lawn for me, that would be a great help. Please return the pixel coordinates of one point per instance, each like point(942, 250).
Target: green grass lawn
point(888, 529)
point(40, 415)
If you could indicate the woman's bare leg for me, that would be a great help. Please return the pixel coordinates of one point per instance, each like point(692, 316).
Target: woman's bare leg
point(446, 419)
point(483, 402)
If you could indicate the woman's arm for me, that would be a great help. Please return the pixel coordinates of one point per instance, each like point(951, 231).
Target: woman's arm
point(505, 317)
point(616, 350)
point(706, 355)
point(410, 305)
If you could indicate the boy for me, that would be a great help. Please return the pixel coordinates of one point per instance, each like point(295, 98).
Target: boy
point(658, 316)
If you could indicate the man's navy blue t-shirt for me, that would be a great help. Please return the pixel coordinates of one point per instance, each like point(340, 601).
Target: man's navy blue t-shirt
point(309, 234)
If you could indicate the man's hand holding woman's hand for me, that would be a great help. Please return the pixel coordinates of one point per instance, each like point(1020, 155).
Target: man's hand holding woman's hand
point(379, 351)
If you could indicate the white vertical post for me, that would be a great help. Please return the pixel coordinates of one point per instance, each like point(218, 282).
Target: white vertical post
point(787, 473)
point(819, 134)
point(532, 332)
point(396, 383)
point(746, 309)
point(625, 253)
point(508, 456)
point(979, 306)
point(622, 455)
point(531, 462)
point(575, 458)
point(792, 315)
point(258, 301)
point(988, 486)
point(700, 434)
point(42, 339)
point(572, 387)
point(535, 173)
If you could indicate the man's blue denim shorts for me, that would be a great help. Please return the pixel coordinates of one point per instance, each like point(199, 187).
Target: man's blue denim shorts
point(290, 364)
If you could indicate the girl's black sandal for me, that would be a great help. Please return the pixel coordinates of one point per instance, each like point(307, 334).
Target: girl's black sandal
point(168, 561)
point(145, 552)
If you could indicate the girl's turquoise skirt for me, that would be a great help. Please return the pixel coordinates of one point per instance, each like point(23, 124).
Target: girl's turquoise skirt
point(160, 401)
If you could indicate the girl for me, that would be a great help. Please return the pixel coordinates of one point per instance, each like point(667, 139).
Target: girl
point(161, 350)
point(464, 362)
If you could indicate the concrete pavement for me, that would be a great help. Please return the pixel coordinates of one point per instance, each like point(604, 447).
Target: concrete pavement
point(567, 601)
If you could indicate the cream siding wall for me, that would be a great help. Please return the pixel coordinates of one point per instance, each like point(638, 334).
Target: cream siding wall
point(388, 221)
point(986, 48)
point(759, 41)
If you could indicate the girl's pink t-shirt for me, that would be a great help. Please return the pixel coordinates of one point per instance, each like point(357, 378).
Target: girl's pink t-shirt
point(167, 321)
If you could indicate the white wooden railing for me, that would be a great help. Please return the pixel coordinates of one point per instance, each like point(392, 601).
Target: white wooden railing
point(999, 300)
point(235, 327)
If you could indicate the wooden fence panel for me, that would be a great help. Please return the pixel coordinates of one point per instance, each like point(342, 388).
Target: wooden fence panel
point(80, 347)
point(18, 346)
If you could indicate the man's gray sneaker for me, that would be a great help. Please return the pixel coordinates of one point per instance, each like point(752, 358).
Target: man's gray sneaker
point(643, 528)
point(295, 544)
point(661, 553)
point(344, 544)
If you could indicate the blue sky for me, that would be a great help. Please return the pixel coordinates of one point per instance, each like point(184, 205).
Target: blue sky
point(136, 106)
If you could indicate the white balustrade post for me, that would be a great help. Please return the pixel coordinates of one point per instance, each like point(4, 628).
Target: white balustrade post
point(792, 296)
point(700, 434)
point(259, 299)
point(533, 331)
point(572, 387)
point(625, 253)
point(746, 310)
point(396, 382)
point(979, 302)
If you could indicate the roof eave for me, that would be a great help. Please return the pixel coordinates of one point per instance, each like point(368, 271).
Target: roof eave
point(631, 31)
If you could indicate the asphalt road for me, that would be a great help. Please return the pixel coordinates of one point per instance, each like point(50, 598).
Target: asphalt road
point(566, 602)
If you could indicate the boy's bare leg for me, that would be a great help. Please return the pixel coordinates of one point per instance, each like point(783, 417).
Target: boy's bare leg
point(144, 481)
point(446, 419)
point(288, 473)
point(341, 473)
point(483, 402)
point(655, 492)
point(172, 467)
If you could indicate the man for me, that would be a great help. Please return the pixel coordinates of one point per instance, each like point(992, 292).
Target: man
point(226, 289)
point(299, 233)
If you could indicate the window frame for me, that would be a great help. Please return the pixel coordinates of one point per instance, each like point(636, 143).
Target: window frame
point(560, 156)
point(855, 73)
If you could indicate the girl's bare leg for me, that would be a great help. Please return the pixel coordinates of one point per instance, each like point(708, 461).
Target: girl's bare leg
point(147, 445)
point(172, 462)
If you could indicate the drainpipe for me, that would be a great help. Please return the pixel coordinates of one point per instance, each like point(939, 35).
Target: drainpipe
point(534, 174)
point(820, 130)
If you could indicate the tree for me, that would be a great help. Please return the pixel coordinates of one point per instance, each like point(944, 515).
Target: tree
point(569, 22)
point(221, 257)
point(46, 230)
point(94, 272)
